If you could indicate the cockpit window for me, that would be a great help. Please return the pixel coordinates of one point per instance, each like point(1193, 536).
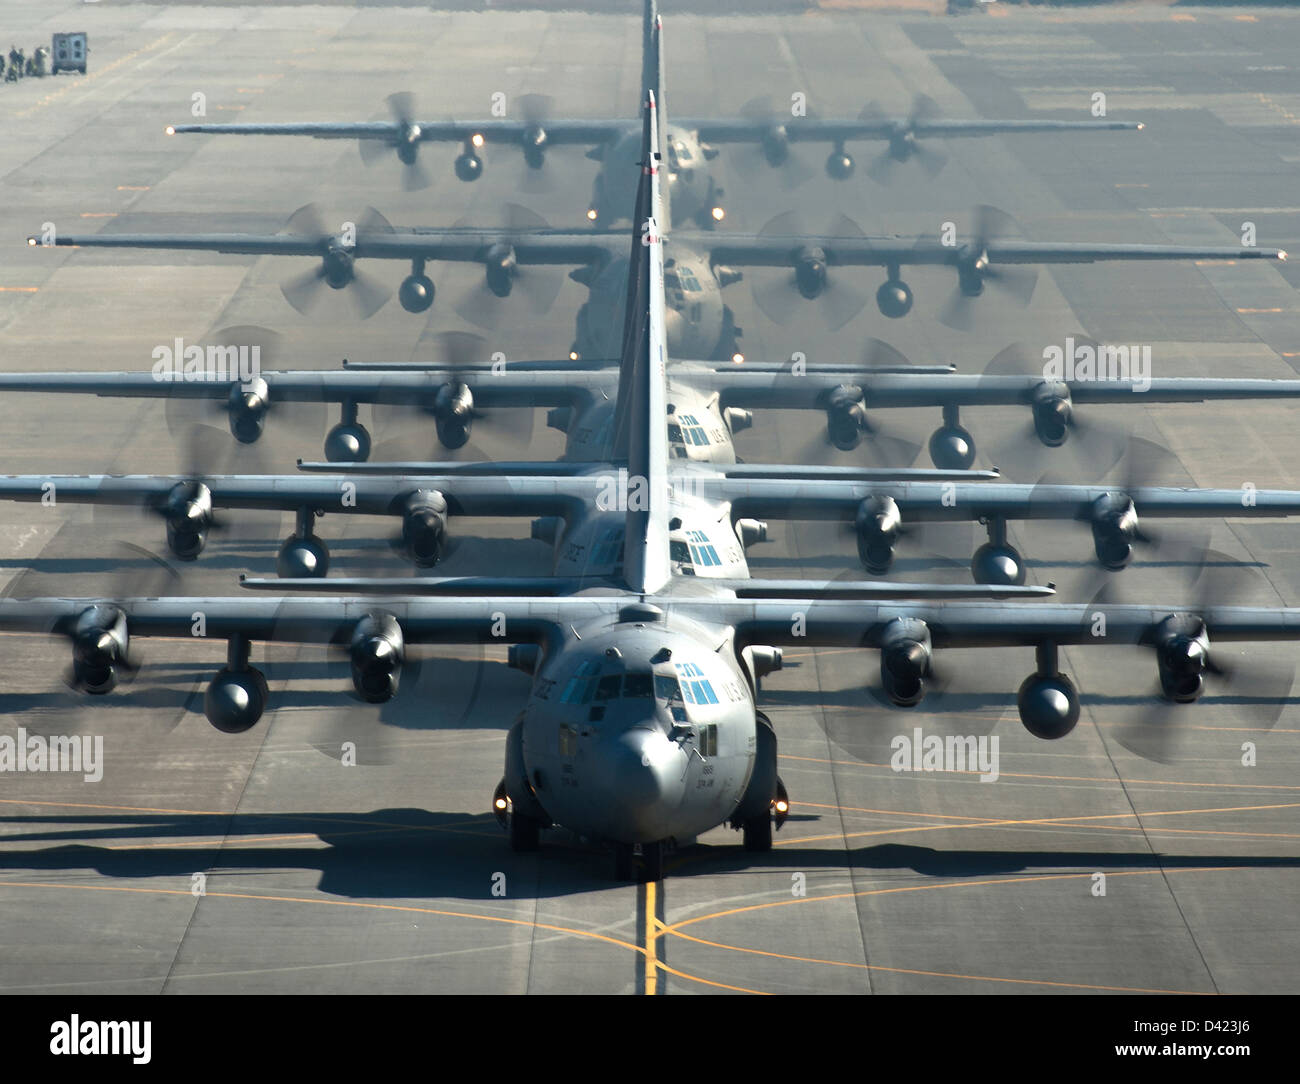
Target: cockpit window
point(586, 685)
point(702, 550)
point(688, 280)
point(692, 432)
point(679, 552)
point(666, 688)
point(580, 686)
point(640, 686)
point(608, 687)
point(609, 549)
point(683, 152)
point(696, 688)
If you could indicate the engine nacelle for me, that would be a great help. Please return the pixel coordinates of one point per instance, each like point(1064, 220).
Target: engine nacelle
point(776, 145)
point(1114, 526)
point(751, 531)
point(338, 266)
point(416, 293)
point(302, 557)
point(534, 143)
point(952, 448)
point(235, 699)
point(525, 658)
point(1053, 413)
point(500, 266)
point(247, 407)
point(840, 165)
point(738, 419)
point(894, 299)
point(377, 652)
point(810, 272)
point(997, 564)
point(469, 167)
point(408, 146)
point(846, 417)
point(877, 524)
point(970, 279)
point(763, 659)
point(1048, 705)
point(906, 655)
point(1182, 657)
point(347, 443)
point(453, 409)
point(99, 648)
point(424, 527)
point(188, 512)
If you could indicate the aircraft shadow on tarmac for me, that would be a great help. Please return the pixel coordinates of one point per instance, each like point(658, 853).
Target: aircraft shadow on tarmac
point(928, 862)
point(420, 854)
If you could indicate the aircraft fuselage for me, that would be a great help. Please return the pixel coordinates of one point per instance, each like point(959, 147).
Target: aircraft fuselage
point(637, 731)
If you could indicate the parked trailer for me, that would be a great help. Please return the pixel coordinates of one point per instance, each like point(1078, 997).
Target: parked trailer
point(70, 52)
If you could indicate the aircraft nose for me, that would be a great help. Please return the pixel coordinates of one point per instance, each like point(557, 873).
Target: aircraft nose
point(646, 767)
point(644, 775)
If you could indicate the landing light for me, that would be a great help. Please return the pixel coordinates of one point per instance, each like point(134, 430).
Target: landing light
point(738, 358)
point(31, 241)
point(1281, 254)
point(500, 803)
point(574, 355)
point(591, 214)
point(477, 139)
point(169, 130)
point(718, 214)
point(781, 807)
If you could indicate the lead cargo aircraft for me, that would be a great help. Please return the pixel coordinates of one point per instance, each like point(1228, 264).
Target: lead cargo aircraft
point(689, 144)
point(697, 265)
point(641, 726)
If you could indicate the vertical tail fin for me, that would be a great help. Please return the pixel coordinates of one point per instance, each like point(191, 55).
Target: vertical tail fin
point(646, 566)
point(652, 80)
point(636, 304)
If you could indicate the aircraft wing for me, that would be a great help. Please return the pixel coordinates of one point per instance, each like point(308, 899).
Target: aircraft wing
point(803, 497)
point(400, 387)
point(785, 390)
point(776, 250)
point(827, 621)
point(590, 132)
point(316, 620)
point(457, 245)
point(842, 623)
point(484, 495)
point(818, 130)
point(490, 586)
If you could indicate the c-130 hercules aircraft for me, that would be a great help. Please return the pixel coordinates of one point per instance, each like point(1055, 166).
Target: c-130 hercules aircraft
point(642, 724)
point(689, 144)
point(697, 266)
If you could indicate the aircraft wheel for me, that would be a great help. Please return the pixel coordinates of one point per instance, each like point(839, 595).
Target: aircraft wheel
point(525, 833)
point(652, 854)
point(757, 833)
point(623, 861)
